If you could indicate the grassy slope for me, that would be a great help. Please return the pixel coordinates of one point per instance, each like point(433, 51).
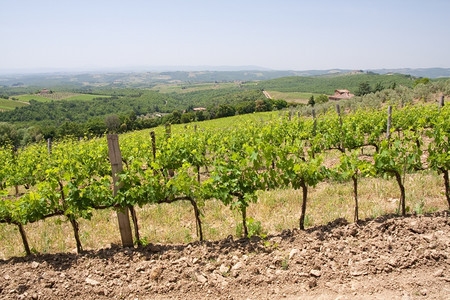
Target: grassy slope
point(10, 104)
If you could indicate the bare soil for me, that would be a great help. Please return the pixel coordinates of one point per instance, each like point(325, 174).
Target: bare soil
point(389, 257)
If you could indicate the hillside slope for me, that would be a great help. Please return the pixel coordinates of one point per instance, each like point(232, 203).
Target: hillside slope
point(326, 84)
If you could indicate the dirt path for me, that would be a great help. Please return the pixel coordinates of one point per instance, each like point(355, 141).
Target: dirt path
point(267, 95)
point(385, 258)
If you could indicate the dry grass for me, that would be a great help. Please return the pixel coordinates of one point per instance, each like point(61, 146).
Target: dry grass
point(276, 210)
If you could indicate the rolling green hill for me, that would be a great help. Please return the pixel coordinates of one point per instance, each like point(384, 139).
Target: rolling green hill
point(328, 83)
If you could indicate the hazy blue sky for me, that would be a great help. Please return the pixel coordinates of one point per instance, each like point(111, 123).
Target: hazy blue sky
point(281, 34)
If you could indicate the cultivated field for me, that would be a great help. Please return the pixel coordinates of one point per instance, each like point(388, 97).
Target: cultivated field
point(191, 87)
point(10, 104)
point(295, 97)
point(57, 96)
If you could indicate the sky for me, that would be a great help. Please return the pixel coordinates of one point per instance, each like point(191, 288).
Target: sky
point(83, 35)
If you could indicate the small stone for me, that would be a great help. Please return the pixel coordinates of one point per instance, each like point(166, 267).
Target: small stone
point(315, 273)
point(201, 278)
point(312, 283)
point(34, 264)
point(358, 272)
point(210, 267)
point(439, 273)
point(293, 253)
point(7, 277)
point(237, 266)
point(424, 292)
point(92, 281)
point(195, 260)
point(140, 268)
point(156, 273)
point(223, 269)
point(100, 292)
point(393, 262)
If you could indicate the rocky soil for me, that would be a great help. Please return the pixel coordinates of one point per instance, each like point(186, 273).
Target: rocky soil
point(386, 258)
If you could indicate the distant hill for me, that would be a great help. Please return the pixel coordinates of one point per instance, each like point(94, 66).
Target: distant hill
point(143, 79)
point(421, 72)
point(150, 79)
point(424, 72)
point(326, 84)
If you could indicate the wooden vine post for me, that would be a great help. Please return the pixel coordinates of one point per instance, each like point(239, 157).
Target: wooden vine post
point(153, 137)
point(315, 122)
point(441, 102)
point(168, 130)
point(168, 135)
point(115, 158)
point(389, 120)
point(49, 146)
point(338, 110)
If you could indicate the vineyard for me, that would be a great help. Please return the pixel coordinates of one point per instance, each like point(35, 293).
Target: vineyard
point(55, 96)
point(73, 178)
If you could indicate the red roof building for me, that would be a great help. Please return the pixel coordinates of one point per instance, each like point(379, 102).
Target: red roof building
point(341, 94)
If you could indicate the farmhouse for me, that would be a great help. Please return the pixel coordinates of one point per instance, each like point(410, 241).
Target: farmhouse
point(341, 94)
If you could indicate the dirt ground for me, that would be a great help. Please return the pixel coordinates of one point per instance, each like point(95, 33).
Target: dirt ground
point(385, 258)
